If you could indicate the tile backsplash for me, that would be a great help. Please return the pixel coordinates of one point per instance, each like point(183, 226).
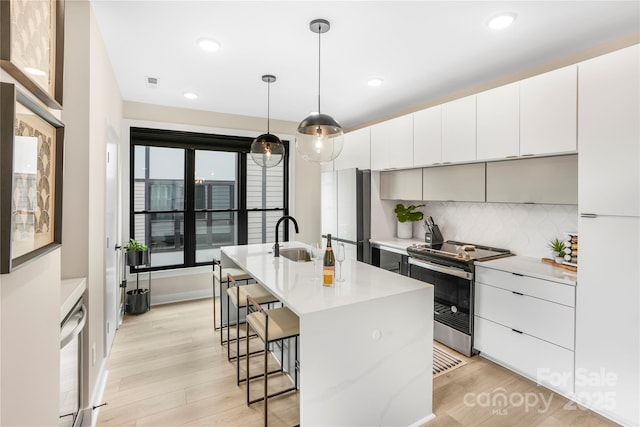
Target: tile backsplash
point(525, 229)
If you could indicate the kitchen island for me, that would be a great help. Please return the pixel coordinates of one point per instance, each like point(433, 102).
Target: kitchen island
point(365, 343)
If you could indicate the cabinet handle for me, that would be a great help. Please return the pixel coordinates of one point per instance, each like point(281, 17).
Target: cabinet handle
point(446, 163)
point(517, 293)
point(527, 155)
point(517, 274)
point(588, 215)
point(516, 331)
point(510, 157)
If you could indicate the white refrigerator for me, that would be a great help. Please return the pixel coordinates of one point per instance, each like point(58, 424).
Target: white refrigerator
point(346, 210)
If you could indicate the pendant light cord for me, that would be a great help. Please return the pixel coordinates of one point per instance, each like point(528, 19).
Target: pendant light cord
point(268, 103)
point(319, 37)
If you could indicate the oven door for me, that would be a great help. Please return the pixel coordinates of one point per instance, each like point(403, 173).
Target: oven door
point(453, 302)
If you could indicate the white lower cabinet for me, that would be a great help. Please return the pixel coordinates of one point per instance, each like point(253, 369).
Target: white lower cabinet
point(527, 324)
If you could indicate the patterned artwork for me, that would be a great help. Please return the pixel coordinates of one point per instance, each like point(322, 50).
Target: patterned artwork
point(31, 39)
point(33, 194)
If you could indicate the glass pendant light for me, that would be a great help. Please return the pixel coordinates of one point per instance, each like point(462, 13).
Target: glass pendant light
point(267, 150)
point(320, 136)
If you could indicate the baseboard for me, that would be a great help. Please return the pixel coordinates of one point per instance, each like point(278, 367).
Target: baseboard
point(423, 420)
point(90, 415)
point(181, 296)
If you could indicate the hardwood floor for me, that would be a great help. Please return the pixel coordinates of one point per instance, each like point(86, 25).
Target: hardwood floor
point(167, 368)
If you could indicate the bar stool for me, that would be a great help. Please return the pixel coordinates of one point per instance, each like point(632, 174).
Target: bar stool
point(220, 277)
point(271, 326)
point(238, 295)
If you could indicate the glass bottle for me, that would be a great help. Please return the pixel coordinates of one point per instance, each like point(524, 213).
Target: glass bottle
point(328, 265)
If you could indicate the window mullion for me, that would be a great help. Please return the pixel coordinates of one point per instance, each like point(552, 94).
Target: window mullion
point(189, 208)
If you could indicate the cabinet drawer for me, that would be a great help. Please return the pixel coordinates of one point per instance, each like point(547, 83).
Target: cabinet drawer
point(540, 318)
point(543, 362)
point(539, 288)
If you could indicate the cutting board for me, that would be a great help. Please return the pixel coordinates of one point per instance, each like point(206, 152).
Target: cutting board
point(555, 264)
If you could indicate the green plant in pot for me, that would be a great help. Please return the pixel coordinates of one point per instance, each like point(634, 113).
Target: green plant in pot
point(137, 300)
point(137, 253)
point(406, 217)
point(557, 247)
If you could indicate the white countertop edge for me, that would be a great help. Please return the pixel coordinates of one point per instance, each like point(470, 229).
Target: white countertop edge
point(533, 267)
point(394, 244)
point(70, 292)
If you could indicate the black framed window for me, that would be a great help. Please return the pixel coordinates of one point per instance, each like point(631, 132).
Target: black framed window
point(193, 193)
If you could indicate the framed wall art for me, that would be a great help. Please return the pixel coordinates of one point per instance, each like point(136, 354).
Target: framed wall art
point(31, 150)
point(32, 44)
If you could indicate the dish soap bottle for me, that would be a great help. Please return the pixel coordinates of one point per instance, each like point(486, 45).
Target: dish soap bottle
point(328, 265)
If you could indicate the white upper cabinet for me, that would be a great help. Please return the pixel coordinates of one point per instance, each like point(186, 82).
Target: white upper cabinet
point(356, 150)
point(609, 131)
point(427, 136)
point(392, 144)
point(548, 112)
point(498, 127)
point(459, 130)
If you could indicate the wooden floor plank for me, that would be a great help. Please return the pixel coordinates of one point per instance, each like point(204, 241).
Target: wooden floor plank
point(167, 368)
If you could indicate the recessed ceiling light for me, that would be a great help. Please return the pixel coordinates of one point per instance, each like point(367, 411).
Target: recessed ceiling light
point(502, 21)
point(35, 71)
point(190, 95)
point(375, 82)
point(208, 45)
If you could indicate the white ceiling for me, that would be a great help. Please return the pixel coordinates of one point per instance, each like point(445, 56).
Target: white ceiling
point(422, 49)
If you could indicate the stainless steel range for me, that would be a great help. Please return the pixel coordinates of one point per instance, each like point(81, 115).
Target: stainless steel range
point(449, 267)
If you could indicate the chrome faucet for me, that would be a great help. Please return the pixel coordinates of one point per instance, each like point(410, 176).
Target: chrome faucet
point(276, 247)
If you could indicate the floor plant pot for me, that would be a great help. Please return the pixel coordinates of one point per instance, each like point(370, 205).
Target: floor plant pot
point(137, 301)
point(405, 230)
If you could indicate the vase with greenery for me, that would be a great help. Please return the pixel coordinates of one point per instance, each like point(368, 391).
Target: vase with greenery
point(557, 247)
point(406, 217)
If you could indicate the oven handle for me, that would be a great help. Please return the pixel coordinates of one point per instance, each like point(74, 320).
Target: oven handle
point(81, 317)
point(441, 268)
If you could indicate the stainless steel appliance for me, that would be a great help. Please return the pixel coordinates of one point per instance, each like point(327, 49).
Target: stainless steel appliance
point(71, 366)
point(346, 210)
point(449, 267)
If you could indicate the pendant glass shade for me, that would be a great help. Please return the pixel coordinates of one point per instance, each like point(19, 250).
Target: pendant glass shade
point(267, 150)
point(320, 136)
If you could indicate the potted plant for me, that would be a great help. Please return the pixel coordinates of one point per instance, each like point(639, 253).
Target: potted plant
point(557, 246)
point(137, 300)
point(406, 217)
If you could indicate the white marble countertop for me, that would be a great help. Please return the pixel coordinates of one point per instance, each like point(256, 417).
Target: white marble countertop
point(301, 288)
point(70, 292)
point(396, 245)
point(533, 267)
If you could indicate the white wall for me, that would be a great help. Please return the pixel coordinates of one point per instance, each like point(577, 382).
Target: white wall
point(30, 343)
point(92, 104)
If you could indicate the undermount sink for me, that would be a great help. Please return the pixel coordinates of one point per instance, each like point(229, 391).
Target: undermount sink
point(296, 254)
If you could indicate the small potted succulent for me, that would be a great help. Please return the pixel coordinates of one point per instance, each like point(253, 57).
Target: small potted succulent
point(137, 300)
point(557, 246)
point(406, 217)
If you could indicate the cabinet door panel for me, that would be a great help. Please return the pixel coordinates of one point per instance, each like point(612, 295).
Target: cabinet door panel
point(609, 131)
point(539, 360)
point(356, 150)
point(427, 136)
point(462, 183)
point(552, 180)
point(392, 143)
point(328, 199)
point(459, 130)
point(401, 184)
point(607, 313)
point(522, 312)
point(498, 123)
point(548, 112)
